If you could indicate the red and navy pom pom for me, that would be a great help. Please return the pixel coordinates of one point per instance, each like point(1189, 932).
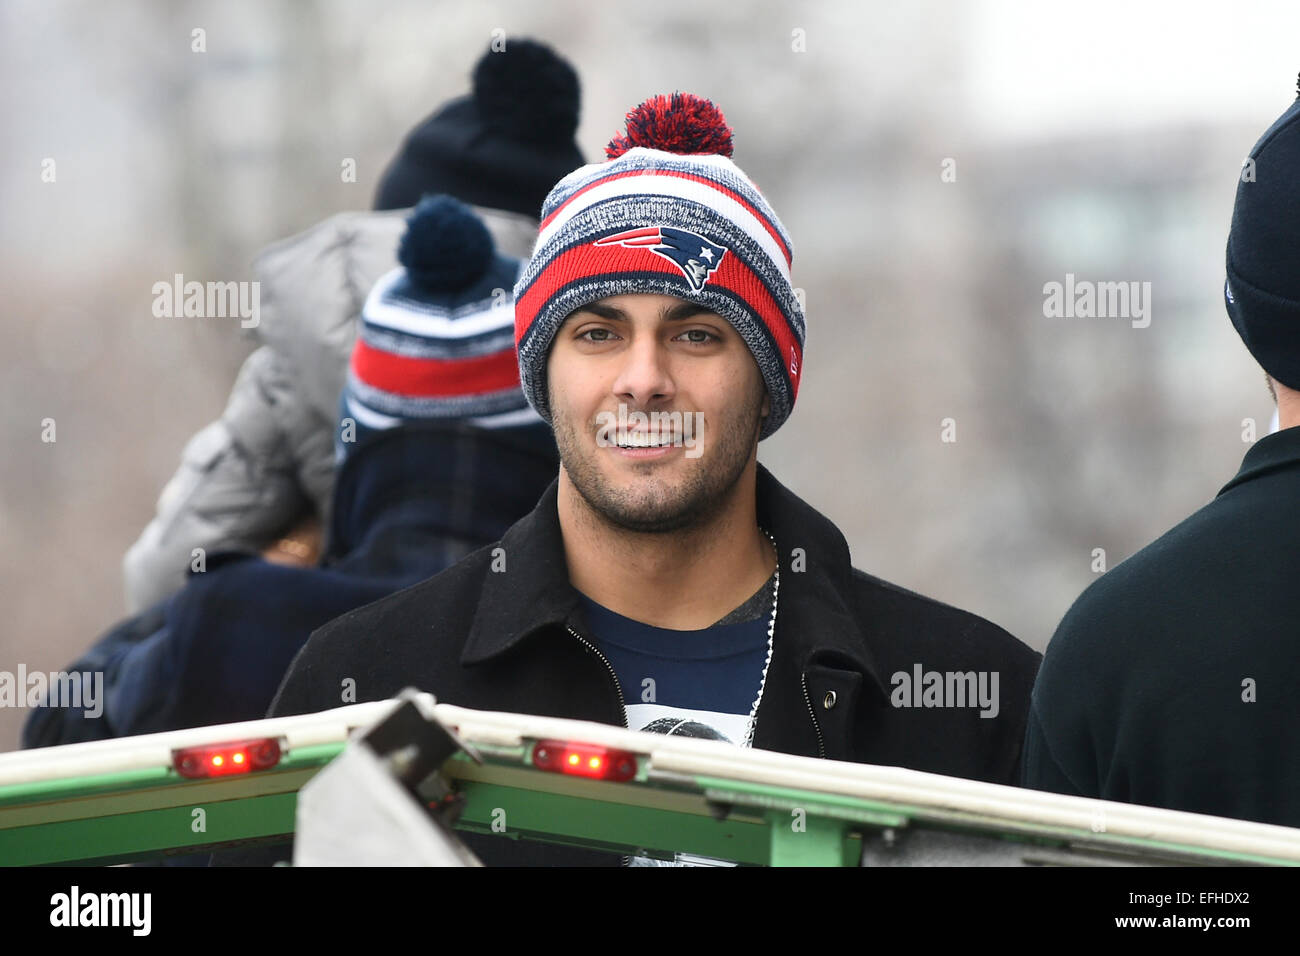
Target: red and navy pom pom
point(681, 123)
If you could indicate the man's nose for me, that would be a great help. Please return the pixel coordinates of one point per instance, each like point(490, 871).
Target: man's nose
point(645, 375)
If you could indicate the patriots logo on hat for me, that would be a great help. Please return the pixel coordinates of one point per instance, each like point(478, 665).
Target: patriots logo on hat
point(696, 256)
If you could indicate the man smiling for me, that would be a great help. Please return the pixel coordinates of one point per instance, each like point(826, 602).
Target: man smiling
point(655, 588)
point(635, 499)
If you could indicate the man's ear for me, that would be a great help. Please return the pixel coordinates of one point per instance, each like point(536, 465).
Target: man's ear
point(767, 404)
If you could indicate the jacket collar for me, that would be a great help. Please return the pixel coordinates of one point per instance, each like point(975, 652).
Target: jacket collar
point(1271, 453)
point(815, 613)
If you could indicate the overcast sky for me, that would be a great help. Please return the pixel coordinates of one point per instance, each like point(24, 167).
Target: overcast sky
point(1036, 68)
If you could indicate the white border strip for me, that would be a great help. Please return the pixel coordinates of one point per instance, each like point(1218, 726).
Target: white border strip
point(520, 416)
point(459, 325)
point(678, 188)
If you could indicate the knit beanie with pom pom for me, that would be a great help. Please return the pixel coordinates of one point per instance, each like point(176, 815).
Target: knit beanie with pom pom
point(669, 213)
point(436, 340)
point(501, 147)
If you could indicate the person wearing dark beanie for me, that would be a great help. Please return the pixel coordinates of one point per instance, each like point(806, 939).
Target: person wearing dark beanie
point(503, 146)
point(269, 460)
point(1262, 290)
point(1171, 681)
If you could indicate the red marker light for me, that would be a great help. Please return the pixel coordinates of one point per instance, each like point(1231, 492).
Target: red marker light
point(220, 760)
point(584, 760)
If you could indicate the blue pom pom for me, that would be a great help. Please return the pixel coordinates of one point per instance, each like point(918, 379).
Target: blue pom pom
point(446, 247)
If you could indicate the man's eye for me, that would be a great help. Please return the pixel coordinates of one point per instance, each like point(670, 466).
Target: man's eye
point(700, 336)
point(600, 335)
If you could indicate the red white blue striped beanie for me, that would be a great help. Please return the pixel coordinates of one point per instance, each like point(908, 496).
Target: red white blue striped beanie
point(669, 213)
point(436, 338)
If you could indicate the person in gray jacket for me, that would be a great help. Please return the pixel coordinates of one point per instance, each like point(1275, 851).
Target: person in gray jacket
point(268, 462)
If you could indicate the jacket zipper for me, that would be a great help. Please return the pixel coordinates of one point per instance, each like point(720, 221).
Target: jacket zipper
point(625, 859)
point(821, 745)
point(622, 705)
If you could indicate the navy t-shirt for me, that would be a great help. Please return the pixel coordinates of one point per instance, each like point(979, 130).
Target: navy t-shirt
point(692, 683)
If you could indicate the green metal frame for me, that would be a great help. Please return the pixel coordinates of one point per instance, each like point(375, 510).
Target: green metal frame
point(142, 814)
point(119, 817)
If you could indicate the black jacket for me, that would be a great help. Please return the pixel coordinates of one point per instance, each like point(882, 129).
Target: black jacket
point(1172, 680)
point(500, 640)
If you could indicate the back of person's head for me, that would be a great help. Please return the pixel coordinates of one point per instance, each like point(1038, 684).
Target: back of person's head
point(1262, 291)
point(436, 339)
point(432, 407)
point(504, 145)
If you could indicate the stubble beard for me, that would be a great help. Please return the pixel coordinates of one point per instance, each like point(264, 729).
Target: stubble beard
point(658, 506)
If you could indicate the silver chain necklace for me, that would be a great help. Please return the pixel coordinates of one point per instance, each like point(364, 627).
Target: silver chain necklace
point(771, 630)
